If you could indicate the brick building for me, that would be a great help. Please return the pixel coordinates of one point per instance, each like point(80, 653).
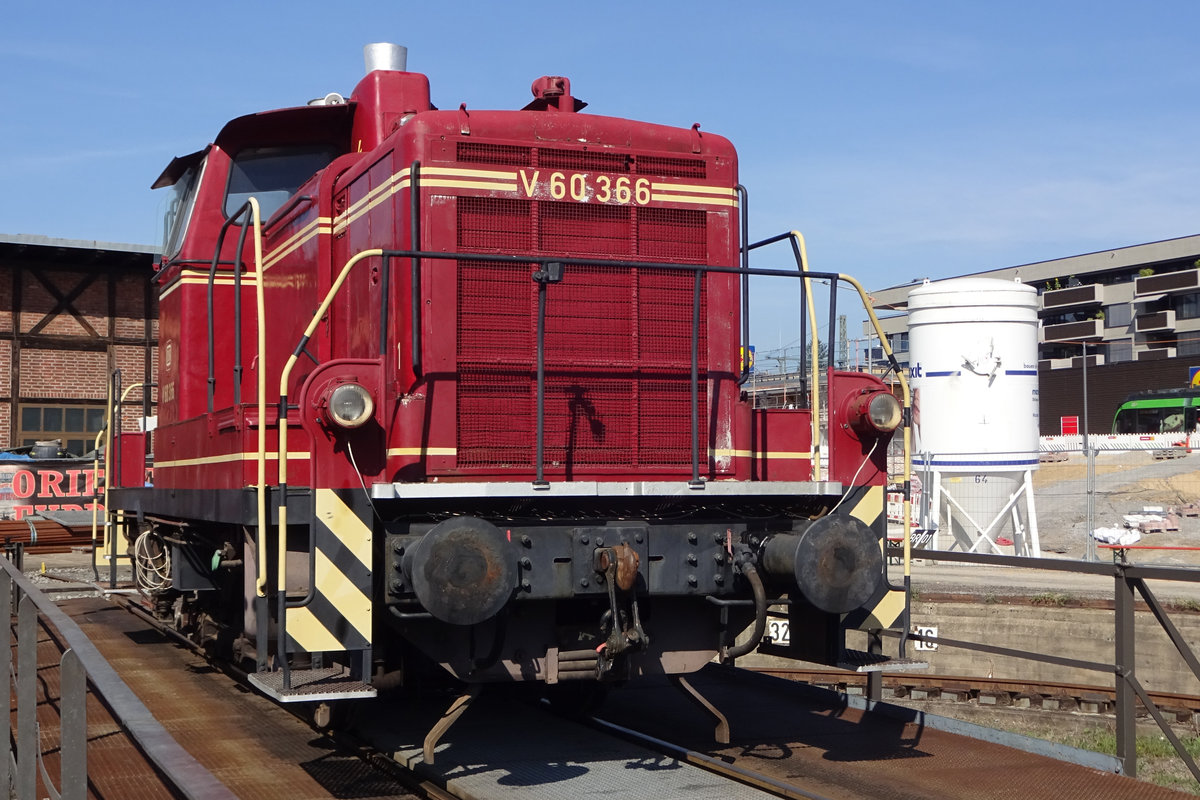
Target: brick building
point(71, 312)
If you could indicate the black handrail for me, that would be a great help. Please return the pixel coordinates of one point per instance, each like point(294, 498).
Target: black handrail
point(385, 285)
point(238, 265)
point(744, 208)
point(550, 270)
point(414, 213)
point(696, 376)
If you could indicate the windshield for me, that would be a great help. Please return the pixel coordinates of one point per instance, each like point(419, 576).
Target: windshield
point(272, 174)
point(1156, 419)
point(179, 209)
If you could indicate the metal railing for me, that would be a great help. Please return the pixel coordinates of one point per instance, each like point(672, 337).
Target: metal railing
point(1129, 580)
point(81, 664)
point(1073, 497)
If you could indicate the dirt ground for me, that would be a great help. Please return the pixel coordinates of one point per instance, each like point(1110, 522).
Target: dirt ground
point(1125, 483)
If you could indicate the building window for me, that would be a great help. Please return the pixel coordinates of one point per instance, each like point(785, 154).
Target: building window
point(1119, 350)
point(1187, 306)
point(1056, 350)
point(898, 342)
point(76, 426)
point(1117, 315)
point(1188, 344)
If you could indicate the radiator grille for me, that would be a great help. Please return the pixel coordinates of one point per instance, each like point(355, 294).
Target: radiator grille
point(495, 224)
point(580, 160)
point(485, 153)
point(584, 160)
point(617, 343)
point(672, 167)
point(676, 235)
point(586, 230)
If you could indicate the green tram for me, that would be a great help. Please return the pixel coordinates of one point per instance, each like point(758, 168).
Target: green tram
point(1158, 411)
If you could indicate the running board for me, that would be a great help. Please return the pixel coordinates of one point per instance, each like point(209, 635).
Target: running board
point(311, 685)
point(861, 661)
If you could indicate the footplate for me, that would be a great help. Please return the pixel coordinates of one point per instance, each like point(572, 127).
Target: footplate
point(311, 685)
point(861, 661)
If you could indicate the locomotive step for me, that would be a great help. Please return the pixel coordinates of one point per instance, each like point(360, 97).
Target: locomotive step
point(861, 661)
point(311, 685)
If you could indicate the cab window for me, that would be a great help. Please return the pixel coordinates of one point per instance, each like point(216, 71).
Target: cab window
point(179, 209)
point(272, 174)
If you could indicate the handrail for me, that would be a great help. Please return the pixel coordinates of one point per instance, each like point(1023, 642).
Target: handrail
point(187, 775)
point(414, 213)
point(251, 204)
point(260, 309)
point(112, 465)
point(547, 265)
point(744, 214)
point(111, 458)
point(809, 316)
point(798, 246)
point(1128, 578)
point(281, 522)
point(96, 471)
point(906, 404)
point(814, 388)
point(286, 375)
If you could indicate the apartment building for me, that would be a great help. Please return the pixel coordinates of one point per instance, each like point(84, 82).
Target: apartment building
point(1134, 311)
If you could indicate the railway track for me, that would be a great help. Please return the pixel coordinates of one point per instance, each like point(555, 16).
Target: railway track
point(1014, 692)
point(385, 750)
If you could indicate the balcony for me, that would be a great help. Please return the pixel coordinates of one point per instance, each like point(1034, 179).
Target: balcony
point(1156, 354)
point(1158, 321)
point(1096, 360)
point(1053, 363)
point(1187, 280)
point(1088, 330)
point(1073, 297)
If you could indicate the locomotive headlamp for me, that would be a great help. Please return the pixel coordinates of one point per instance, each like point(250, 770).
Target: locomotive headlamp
point(349, 405)
point(877, 411)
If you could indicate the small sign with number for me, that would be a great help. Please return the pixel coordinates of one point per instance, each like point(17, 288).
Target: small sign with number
point(925, 630)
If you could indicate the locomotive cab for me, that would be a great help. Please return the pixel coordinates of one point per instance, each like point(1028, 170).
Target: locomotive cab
point(465, 387)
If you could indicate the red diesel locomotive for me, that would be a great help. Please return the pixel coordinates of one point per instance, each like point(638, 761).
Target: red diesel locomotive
point(464, 388)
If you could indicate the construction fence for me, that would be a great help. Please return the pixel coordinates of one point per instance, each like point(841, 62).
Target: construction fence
point(1142, 492)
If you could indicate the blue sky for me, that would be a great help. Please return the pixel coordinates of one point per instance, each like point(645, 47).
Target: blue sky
point(906, 140)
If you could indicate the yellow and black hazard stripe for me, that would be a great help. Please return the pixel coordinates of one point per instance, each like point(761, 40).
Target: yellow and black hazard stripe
point(338, 613)
point(886, 607)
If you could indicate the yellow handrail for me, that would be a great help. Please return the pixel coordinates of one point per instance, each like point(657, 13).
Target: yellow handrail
point(283, 420)
point(108, 433)
point(814, 391)
point(907, 404)
point(260, 307)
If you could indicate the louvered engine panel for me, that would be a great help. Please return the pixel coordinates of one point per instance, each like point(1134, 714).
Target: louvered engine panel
point(617, 341)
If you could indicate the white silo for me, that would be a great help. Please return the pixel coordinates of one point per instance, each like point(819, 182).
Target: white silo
point(973, 367)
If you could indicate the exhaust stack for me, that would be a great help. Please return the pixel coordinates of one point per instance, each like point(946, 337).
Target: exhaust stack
point(385, 56)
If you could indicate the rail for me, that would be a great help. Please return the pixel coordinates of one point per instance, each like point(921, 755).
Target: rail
point(82, 664)
point(112, 461)
point(1128, 580)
